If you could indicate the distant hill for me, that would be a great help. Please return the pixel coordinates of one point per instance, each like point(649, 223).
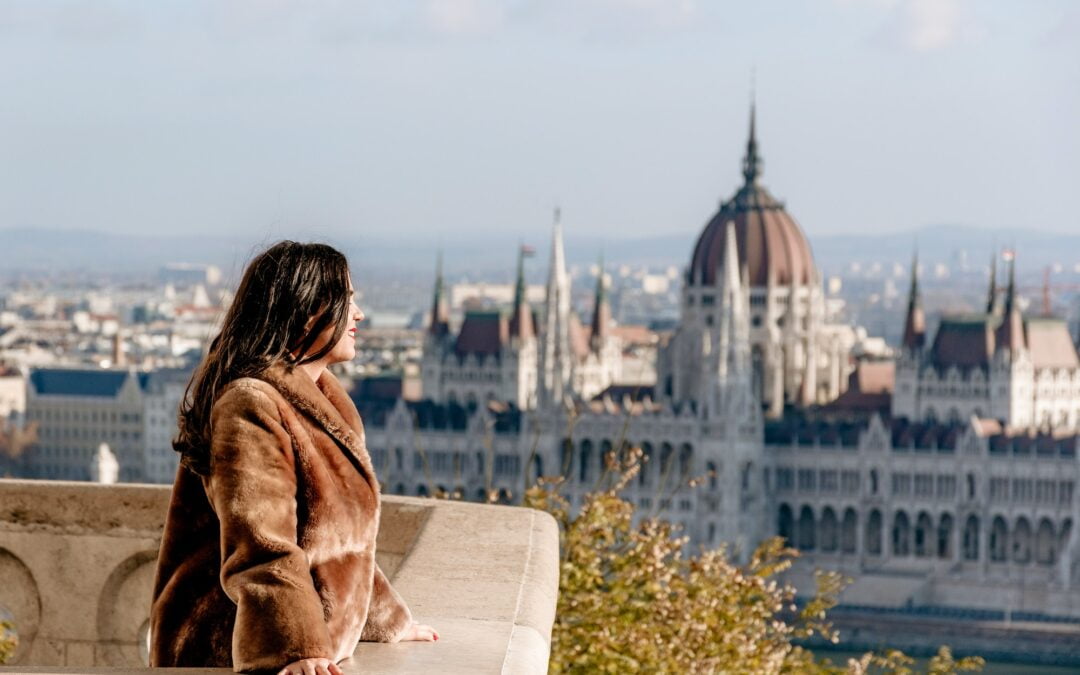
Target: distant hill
point(39, 251)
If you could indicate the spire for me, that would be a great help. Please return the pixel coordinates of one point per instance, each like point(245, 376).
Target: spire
point(555, 356)
point(915, 322)
point(521, 325)
point(991, 299)
point(1010, 332)
point(752, 163)
point(601, 311)
point(440, 314)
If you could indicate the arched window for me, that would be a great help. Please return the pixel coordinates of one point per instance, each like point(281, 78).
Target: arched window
point(924, 533)
point(711, 472)
point(971, 486)
point(666, 452)
point(806, 534)
point(901, 534)
point(1045, 551)
point(645, 475)
point(944, 537)
point(566, 458)
point(971, 538)
point(584, 461)
point(421, 490)
point(848, 531)
point(830, 531)
point(1021, 541)
point(785, 524)
point(686, 457)
point(873, 533)
point(998, 537)
point(873, 481)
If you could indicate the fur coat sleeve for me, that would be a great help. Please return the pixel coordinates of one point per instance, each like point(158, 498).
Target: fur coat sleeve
point(253, 490)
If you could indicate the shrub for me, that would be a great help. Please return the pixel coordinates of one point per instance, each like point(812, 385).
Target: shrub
point(631, 599)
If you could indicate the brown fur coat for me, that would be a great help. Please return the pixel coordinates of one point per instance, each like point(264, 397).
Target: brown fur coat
point(271, 557)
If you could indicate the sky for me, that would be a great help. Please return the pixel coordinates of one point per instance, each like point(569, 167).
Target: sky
point(431, 119)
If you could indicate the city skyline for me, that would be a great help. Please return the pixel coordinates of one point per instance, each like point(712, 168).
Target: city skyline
point(442, 119)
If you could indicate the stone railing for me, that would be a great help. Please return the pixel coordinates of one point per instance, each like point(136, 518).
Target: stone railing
point(77, 565)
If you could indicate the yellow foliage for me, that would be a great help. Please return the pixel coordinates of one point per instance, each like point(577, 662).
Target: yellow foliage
point(8, 641)
point(631, 600)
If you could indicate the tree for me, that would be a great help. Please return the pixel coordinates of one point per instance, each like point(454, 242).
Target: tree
point(8, 640)
point(632, 599)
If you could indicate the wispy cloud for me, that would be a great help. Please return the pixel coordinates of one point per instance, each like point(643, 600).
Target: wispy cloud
point(922, 25)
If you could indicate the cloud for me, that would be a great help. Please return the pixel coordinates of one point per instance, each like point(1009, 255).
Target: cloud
point(931, 24)
point(464, 17)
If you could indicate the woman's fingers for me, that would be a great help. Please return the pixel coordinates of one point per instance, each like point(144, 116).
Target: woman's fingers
point(424, 633)
point(311, 667)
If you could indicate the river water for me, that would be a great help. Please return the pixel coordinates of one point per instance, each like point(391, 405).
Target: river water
point(838, 656)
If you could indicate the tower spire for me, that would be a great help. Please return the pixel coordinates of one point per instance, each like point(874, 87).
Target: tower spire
point(1010, 333)
point(440, 314)
point(601, 310)
point(915, 321)
point(752, 162)
point(521, 325)
point(555, 363)
point(991, 299)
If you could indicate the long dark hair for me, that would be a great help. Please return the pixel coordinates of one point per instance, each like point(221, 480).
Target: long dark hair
point(283, 288)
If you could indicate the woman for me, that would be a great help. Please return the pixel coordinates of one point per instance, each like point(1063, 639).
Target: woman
point(268, 556)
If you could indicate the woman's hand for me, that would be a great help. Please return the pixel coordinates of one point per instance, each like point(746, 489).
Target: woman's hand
point(312, 667)
point(420, 632)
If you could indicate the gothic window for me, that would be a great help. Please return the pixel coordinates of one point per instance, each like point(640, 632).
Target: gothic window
point(785, 524)
point(645, 474)
point(806, 534)
point(971, 538)
point(848, 531)
point(901, 534)
point(1045, 550)
point(998, 535)
point(829, 529)
point(710, 470)
point(686, 457)
point(944, 538)
point(923, 533)
point(585, 461)
point(1021, 541)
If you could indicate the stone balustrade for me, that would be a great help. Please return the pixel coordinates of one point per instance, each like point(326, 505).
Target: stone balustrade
point(77, 565)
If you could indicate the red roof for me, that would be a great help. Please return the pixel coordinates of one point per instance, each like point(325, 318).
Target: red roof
point(482, 333)
point(965, 342)
point(770, 242)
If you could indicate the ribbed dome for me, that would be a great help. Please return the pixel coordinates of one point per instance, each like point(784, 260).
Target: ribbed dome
point(771, 243)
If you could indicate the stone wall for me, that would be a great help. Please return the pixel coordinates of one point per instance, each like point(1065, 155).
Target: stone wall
point(77, 564)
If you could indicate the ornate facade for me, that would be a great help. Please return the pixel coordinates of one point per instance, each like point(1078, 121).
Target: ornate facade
point(958, 496)
point(1023, 372)
point(522, 358)
point(799, 357)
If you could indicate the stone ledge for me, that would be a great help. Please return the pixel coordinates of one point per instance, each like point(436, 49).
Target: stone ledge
point(76, 572)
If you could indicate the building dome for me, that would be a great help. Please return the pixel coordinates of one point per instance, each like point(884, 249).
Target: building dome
point(771, 244)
